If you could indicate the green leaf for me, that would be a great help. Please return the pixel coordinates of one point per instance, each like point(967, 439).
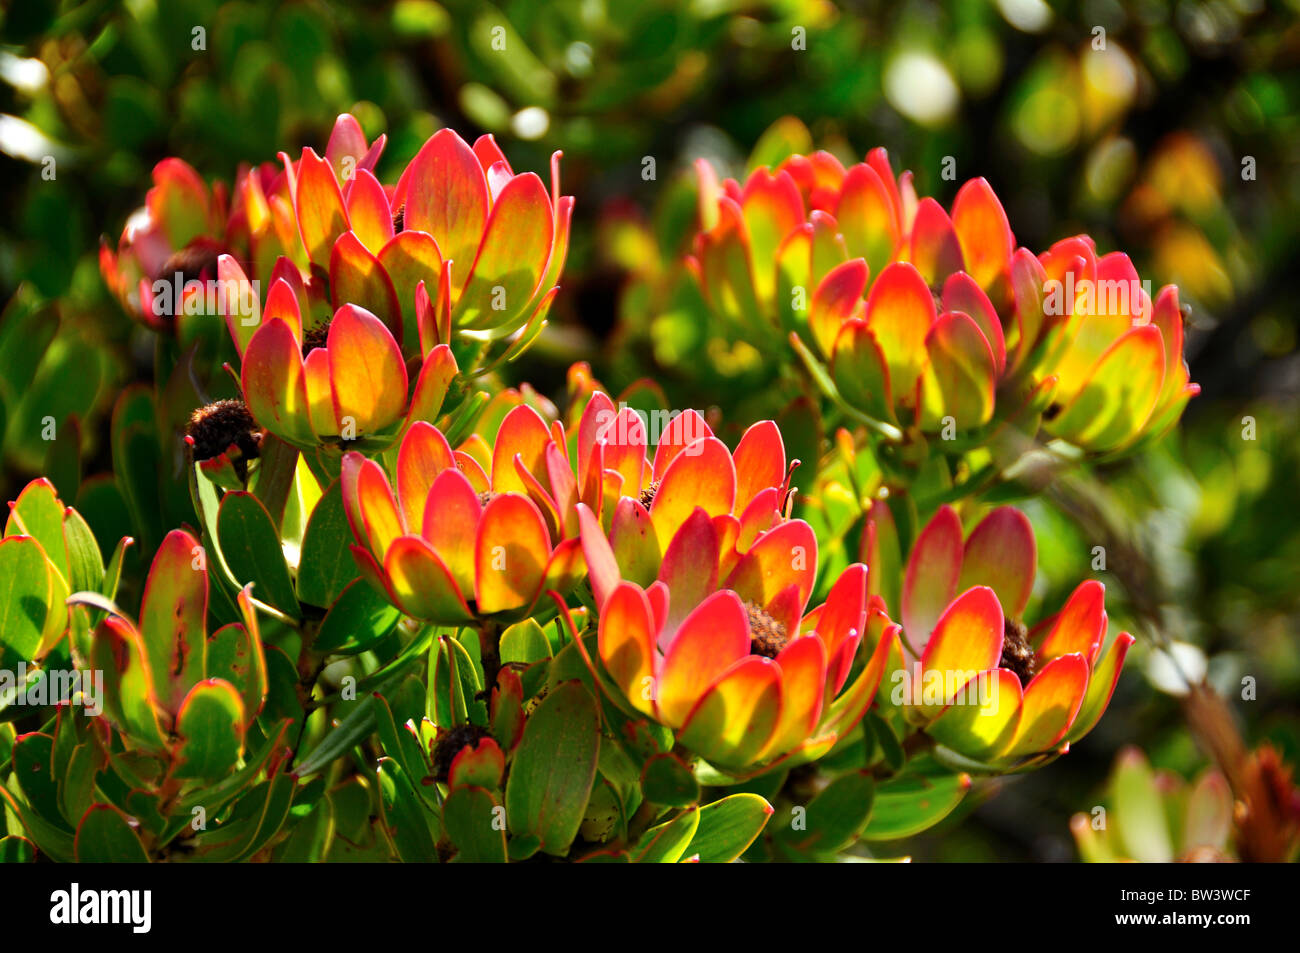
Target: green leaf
point(524, 642)
point(50, 839)
point(913, 802)
point(727, 827)
point(235, 656)
point(104, 836)
point(38, 513)
point(667, 780)
point(16, 849)
point(667, 843)
point(211, 725)
point(32, 757)
point(358, 620)
point(25, 592)
point(472, 818)
point(85, 563)
point(359, 723)
point(257, 817)
point(327, 564)
point(405, 815)
point(250, 544)
point(833, 819)
point(453, 683)
point(554, 768)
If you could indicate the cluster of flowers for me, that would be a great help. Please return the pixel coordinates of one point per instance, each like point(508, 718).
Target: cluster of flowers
point(701, 577)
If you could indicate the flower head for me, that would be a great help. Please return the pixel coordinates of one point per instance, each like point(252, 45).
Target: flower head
point(455, 545)
point(744, 677)
point(972, 674)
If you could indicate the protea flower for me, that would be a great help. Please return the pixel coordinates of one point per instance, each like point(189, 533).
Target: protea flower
point(744, 678)
point(1156, 817)
point(650, 508)
point(486, 243)
point(1116, 357)
point(171, 687)
point(972, 675)
point(185, 226)
point(342, 381)
point(452, 545)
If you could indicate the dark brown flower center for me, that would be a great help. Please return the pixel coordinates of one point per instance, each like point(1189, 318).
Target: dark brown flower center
point(315, 337)
point(451, 744)
point(648, 494)
point(1017, 654)
point(214, 427)
point(487, 496)
point(193, 261)
point(399, 218)
point(767, 636)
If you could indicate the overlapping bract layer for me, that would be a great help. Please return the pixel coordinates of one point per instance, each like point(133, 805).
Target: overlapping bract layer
point(970, 673)
point(926, 317)
point(715, 675)
point(455, 544)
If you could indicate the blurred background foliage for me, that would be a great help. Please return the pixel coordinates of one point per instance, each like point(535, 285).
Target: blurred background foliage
point(1170, 130)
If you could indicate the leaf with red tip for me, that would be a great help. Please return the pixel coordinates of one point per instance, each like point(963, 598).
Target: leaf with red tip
point(961, 293)
point(634, 543)
point(444, 192)
point(1001, 553)
point(510, 554)
point(210, 723)
point(935, 251)
point(436, 374)
point(689, 568)
point(836, 299)
point(784, 556)
point(523, 433)
point(173, 617)
point(421, 583)
point(984, 720)
point(242, 309)
point(1101, 685)
point(409, 259)
point(274, 385)
point(701, 475)
point(711, 639)
point(738, 715)
point(726, 265)
point(369, 216)
point(514, 253)
point(861, 371)
point(1051, 702)
point(602, 567)
point(625, 640)
point(967, 640)
point(367, 372)
point(900, 311)
point(772, 208)
point(423, 455)
point(867, 218)
point(759, 461)
point(450, 523)
point(933, 569)
point(984, 232)
point(803, 682)
point(959, 378)
point(1119, 395)
point(357, 279)
point(381, 522)
point(1080, 626)
point(682, 430)
point(843, 619)
point(322, 217)
point(178, 202)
